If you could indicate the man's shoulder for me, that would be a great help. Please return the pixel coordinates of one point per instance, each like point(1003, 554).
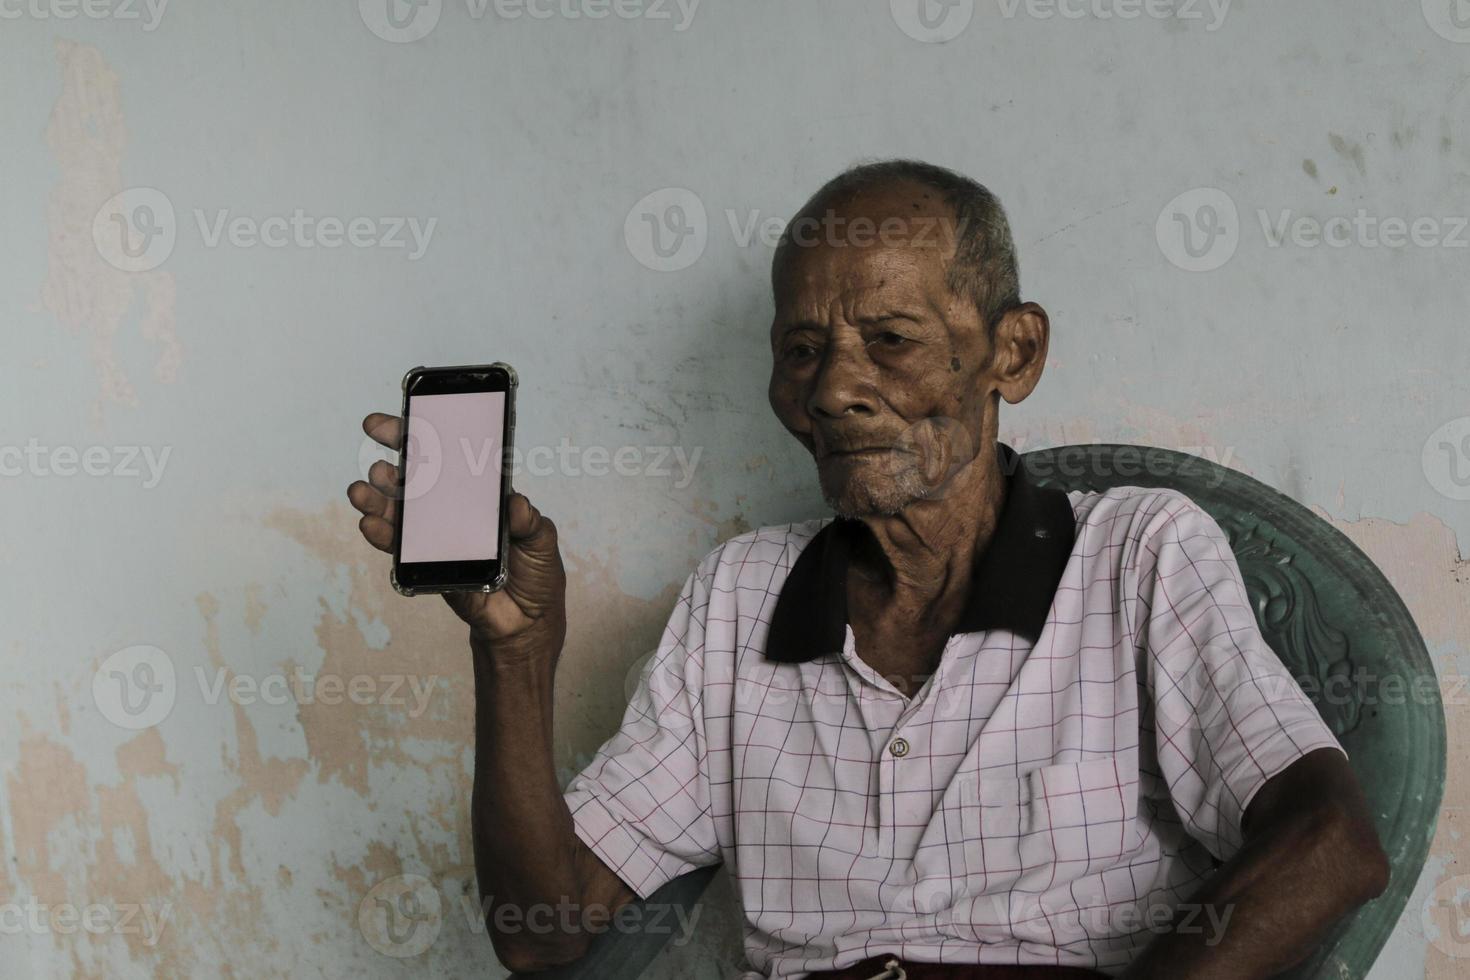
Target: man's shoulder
point(1121, 513)
point(762, 552)
point(1134, 513)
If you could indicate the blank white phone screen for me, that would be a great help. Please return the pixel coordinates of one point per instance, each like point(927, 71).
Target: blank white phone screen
point(451, 505)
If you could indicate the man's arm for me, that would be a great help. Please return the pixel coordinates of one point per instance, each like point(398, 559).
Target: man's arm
point(1253, 772)
point(1310, 856)
point(527, 855)
point(536, 876)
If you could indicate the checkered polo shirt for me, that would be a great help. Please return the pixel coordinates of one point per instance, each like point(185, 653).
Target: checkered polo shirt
point(1077, 764)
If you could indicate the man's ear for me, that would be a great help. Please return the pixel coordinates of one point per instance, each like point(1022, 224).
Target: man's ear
point(1019, 355)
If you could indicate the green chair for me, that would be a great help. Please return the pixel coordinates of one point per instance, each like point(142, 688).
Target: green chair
point(1330, 615)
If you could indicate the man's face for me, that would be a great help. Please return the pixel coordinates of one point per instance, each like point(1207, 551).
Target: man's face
point(878, 368)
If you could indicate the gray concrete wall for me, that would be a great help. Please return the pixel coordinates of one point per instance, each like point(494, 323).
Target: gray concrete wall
point(319, 197)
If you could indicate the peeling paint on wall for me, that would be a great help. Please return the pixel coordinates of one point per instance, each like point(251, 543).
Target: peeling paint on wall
point(1422, 560)
point(87, 135)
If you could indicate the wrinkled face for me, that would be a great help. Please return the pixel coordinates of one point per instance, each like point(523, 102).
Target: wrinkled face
point(878, 369)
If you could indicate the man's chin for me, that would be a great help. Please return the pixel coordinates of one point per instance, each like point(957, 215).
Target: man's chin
point(856, 498)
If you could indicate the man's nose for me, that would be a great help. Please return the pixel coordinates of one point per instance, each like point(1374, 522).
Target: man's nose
point(843, 388)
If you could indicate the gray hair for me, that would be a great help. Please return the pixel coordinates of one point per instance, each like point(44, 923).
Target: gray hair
point(984, 266)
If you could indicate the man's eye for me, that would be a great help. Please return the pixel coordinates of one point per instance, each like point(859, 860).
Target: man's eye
point(800, 352)
point(890, 339)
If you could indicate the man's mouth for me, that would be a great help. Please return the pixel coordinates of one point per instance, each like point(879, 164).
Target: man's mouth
point(858, 452)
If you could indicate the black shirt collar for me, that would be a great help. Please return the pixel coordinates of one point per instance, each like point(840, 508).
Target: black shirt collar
point(1014, 583)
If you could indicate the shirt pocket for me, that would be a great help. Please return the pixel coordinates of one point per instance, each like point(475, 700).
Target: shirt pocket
point(1083, 819)
point(1050, 826)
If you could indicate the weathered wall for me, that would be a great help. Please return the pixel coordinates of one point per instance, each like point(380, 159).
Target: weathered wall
point(181, 415)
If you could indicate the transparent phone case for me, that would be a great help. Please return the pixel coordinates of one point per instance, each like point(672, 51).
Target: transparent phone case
point(510, 431)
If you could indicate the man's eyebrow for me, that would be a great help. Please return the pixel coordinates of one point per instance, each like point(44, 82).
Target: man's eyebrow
point(795, 325)
point(871, 318)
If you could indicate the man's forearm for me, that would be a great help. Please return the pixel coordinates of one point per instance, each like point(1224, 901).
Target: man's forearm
point(1307, 864)
point(525, 845)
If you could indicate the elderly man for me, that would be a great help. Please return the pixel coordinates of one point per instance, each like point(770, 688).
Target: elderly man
point(970, 727)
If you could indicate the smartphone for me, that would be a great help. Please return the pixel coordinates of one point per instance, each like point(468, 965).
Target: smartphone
point(450, 525)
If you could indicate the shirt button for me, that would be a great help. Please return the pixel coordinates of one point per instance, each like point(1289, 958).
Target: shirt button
point(899, 747)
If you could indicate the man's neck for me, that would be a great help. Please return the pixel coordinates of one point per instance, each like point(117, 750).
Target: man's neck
point(925, 554)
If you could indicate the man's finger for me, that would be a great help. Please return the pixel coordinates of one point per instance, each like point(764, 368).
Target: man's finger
point(369, 501)
point(383, 475)
point(384, 429)
point(377, 532)
point(526, 522)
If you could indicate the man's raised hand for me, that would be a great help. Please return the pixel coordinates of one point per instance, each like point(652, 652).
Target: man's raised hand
point(529, 613)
